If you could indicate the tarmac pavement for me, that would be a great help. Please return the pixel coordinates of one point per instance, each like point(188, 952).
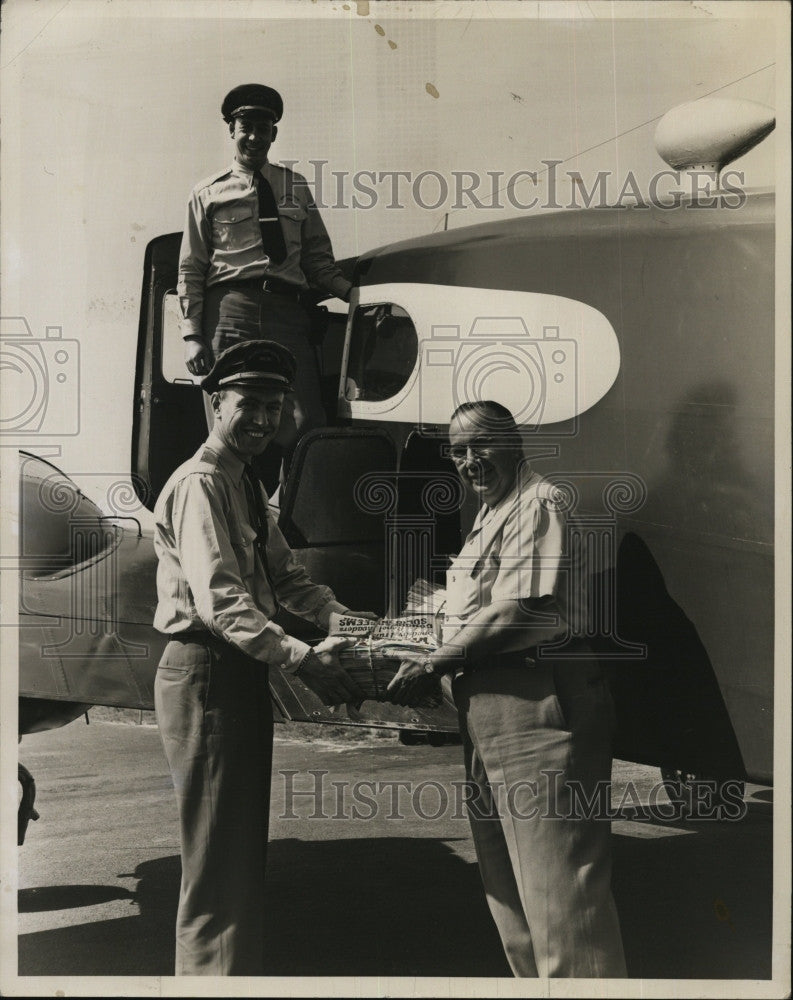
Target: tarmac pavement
point(390, 889)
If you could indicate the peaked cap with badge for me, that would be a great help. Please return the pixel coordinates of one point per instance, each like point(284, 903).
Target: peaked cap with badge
point(262, 364)
point(252, 97)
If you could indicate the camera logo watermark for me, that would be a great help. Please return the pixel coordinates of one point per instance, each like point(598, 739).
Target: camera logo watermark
point(418, 351)
point(501, 359)
point(40, 382)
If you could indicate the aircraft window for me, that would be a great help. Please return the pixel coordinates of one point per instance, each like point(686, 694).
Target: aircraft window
point(173, 366)
point(383, 352)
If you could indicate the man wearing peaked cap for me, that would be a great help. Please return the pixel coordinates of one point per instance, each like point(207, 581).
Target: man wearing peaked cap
point(254, 246)
point(224, 570)
point(262, 363)
point(252, 97)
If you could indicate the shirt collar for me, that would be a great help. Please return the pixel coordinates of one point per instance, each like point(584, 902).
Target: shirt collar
point(238, 168)
point(521, 479)
point(232, 464)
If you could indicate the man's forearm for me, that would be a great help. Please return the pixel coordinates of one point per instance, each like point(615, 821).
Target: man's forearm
point(194, 259)
point(191, 305)
point(332, 607)
point(499, 628)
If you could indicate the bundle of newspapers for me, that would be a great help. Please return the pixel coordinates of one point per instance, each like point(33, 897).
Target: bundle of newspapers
point(380, 647)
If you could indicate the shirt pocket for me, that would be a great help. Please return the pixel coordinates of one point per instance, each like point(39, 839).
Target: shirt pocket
point(243, 541)
point(292, 218)
point(467, 587)
point(232, 227)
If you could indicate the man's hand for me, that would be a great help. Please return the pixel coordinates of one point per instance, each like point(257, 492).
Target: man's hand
point(412, 684)
point(328, 650)
point(370, 615)
point(198, 356)
point(322, 672)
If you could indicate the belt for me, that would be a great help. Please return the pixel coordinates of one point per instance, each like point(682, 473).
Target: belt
point(204, 637)
point(517, 658)
point(534, 655)
point(275, 286)
point(194, 635)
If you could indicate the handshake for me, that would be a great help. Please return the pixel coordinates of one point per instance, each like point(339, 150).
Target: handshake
point(386, 661)
point(321, 671)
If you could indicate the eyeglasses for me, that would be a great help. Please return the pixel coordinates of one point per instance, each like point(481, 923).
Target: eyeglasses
point(477, 449)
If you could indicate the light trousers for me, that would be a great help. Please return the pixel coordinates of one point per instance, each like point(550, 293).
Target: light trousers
point(215, 718)
point(536, 742)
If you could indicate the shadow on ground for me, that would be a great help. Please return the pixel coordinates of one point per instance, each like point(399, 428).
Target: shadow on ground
point(695, 903)
point(386, 906)
point(67, 897)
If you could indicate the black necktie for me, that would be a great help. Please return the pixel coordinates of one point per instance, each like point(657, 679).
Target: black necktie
point(269, 222)
point(258, 517)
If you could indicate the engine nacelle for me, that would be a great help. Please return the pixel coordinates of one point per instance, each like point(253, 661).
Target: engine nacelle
point(59, 526)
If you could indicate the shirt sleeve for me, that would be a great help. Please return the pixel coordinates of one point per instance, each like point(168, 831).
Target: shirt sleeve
point(193, 266)
point(295, 589)
point(531, 552)
point(316, 253)
point(210, 567)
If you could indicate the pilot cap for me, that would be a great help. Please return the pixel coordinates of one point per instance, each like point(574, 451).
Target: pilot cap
point(252, 97)
point(260, 364)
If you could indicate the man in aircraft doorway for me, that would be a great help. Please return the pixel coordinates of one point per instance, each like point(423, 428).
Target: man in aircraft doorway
point(253, 243)
point(224, 568)
point(535, 727)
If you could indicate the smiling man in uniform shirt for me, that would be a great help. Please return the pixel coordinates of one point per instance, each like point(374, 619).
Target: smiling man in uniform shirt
point(224, 569)
point(532, 725)
point(253, 241)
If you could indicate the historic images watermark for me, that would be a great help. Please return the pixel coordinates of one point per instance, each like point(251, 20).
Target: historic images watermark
point(313, 795)
point(523, 190)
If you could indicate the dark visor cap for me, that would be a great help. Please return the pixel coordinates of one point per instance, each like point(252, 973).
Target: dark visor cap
point(252, 97)
point(258, 364)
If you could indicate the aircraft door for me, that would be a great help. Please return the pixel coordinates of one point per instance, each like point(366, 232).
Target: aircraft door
point(169, 420)
point(338, 532)
point(339, 512)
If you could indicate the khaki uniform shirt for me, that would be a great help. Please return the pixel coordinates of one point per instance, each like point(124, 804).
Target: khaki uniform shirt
point(222, 239)
point(518, 550)
point(210, 575)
